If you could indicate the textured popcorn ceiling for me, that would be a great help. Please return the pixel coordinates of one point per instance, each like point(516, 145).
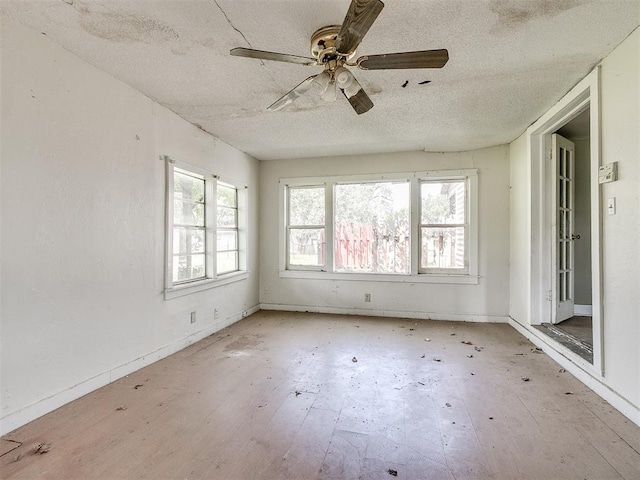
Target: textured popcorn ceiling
point(510, 60)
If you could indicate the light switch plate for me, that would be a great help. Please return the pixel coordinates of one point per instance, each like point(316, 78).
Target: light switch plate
point(611, 206)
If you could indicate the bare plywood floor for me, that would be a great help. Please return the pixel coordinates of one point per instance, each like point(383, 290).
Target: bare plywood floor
point(279, 395)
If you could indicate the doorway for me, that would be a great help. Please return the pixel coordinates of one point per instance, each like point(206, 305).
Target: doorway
point(566, 284)
point(571, 307)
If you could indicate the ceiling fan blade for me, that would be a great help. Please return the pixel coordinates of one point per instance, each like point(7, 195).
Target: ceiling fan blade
point(359, 100)
point(292, 95)
point(360, 17)
point(420, 59)
point(278, 57)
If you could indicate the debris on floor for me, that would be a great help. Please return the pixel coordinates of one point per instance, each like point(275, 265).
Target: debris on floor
point(473, 373)
point(297, 393)
point(121, 408)
point(525, 379)
point(404, 85)
point(41, 448)
point(447, 404)
point(478, 349)
point(537, 350)
point(470, 356)
point(393, 472)
point(354, 359)
point(562, 370)
point(138, 386)
point(412, 329)
point(37, 449)
point(466, 342)
point(421, 383)
point(437, 359)
point(452, 334)
point(519, 353)
point(490, 418)
point(568, 393)
point(427, 339)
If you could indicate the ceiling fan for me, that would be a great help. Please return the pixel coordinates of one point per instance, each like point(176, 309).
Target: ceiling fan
point(333, 48)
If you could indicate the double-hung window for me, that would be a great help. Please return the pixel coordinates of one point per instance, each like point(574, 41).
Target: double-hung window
point(188, 256)
point(227, 232)
point(204, 230)
point(306, 230)
point(444, 226)
point(419, 226)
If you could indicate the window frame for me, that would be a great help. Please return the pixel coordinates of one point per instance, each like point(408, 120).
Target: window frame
point(453, 276)
point(235, 228)
point(465, 225)
point(211, 278)
point(289, 227)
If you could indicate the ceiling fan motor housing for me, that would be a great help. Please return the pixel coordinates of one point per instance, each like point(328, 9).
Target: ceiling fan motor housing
point(323, 43)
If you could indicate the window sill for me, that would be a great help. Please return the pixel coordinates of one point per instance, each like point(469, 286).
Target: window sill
point(372, 277)
point(194, 287)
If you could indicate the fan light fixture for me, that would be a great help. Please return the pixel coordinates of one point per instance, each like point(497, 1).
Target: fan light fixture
point(333, 47)
point(347, 82)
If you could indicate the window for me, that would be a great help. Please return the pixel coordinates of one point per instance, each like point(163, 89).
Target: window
point(398, 227)
point(227, 232)
point(443, 226)
point(188, 227)
point(204, 230)
point(372, 227)
point(306, 227)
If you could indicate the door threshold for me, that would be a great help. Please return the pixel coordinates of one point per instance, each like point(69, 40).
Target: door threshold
point(583, 349)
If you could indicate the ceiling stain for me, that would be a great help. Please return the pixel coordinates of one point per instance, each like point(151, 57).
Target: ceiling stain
point(125, 27)
point(512, 15)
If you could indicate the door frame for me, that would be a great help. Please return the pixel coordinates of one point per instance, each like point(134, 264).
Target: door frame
point(585, 94)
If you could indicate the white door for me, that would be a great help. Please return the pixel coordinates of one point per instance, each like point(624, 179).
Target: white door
point(562, 250)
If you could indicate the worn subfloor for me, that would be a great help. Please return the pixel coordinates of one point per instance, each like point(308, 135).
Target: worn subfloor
point(579, 327)
point(574, 333)
point(311, 396)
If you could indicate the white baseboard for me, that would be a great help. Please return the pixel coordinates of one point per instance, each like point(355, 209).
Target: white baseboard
point(456, 317)
point(582, 372)
point(25, 415)
point(583, 310)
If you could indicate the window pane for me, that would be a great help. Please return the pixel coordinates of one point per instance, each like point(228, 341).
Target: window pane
point(442, 202)
point(227, 240)
point(227, 196)
point(227, 262)
point(372, 227)
point(188, 267)
point(188, 240)
point(306, 246)
point(188, 213)
point(442, 247)
point(227, 217)
point(306, 206)
point(188, 187)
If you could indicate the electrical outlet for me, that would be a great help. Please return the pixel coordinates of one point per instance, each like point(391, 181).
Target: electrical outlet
point(193, 317)
point(367, 297)
point(215, 313)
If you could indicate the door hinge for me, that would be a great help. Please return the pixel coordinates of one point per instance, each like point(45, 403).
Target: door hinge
point(549, 295)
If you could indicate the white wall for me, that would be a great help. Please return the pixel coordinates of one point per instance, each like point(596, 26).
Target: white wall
point(520, 230)
point(582, 212)
point(620, 141)
point(486, 301)
point(82, 224)
point(620, 126)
